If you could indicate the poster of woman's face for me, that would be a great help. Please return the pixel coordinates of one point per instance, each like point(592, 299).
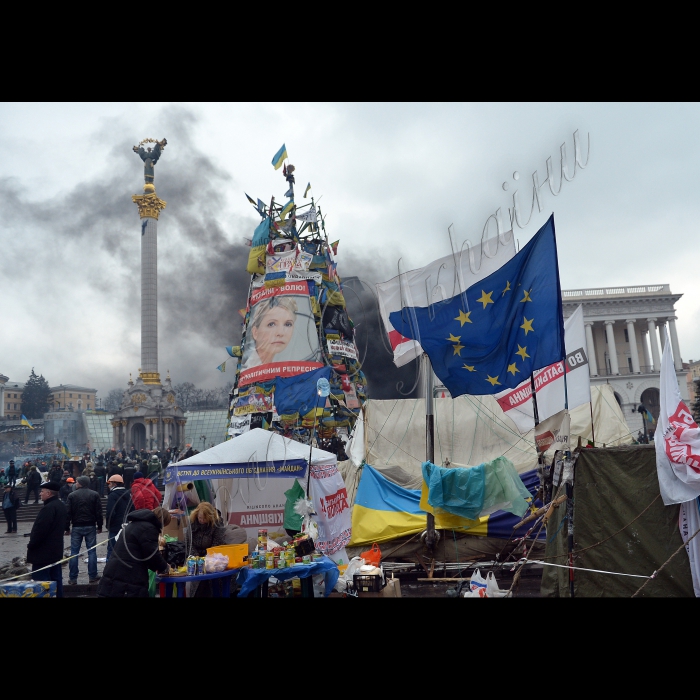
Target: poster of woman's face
point(281, 331)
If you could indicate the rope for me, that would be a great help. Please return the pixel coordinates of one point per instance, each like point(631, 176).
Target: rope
point(579, 568)
point(661, 568)
point(60, 561)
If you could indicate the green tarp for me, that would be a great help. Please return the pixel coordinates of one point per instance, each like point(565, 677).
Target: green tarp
point(611, 488)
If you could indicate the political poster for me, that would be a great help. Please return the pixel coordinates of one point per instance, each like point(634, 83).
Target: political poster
point(281, 337)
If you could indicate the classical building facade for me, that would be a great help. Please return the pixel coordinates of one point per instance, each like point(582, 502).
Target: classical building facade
point(10, 398)
point(625, 335)
point(70, 397)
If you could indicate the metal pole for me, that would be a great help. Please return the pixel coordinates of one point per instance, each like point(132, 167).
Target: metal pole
point(429, 441)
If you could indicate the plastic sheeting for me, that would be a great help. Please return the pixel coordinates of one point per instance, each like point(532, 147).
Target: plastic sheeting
point(476, 491)
point(470, 430)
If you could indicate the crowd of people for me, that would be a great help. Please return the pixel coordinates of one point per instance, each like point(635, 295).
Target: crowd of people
point(73, 508)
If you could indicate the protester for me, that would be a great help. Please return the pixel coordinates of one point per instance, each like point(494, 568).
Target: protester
point(119, 504)
point(3, 477)
point(45, 547)
point(10, 505)
point(205, 530)
point(33, 483)
point(144, 493)
point(85, 514)
point(100, 473)
point(66, 489)
point(136, 551)
point(128, 473)
point(55, 472)
point(11, 473)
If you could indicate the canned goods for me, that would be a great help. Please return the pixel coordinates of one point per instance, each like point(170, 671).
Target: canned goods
point(262, 539)
point(191, 566)
point(317, 556)
point(269, 560)
point(200, 566)
point(281, 563)
point(306, 559)
point(298, 560)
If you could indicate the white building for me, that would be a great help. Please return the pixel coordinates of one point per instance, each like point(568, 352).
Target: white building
point(625, 332)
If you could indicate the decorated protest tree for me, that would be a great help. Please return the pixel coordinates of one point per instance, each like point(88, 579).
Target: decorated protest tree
point(296, 329)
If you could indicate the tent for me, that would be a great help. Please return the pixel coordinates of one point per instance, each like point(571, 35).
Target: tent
point(249, 475)
point(620, 526)
point(469, 430)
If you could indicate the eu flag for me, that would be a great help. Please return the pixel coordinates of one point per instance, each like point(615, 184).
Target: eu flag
point(496, 333)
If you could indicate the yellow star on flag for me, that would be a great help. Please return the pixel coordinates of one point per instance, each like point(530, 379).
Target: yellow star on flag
point(526, 296)
point(521, 352)
point(527, 325)
point(493, 380)
point(513, 369)
point(507, 289)
point(485, 298)
point(463, 318)
point(457, 349)
point(454, 338)
point(471, 369)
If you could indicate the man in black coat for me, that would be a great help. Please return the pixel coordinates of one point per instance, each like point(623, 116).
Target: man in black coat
point(100, 473)
point(128, 474)
point(85, 514)
point(45, 548)
point(119, 504)
point(10, 504)
point(135, 552)
point(33, 484)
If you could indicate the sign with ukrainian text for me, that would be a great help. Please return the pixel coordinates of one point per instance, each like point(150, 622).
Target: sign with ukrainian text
point(294, 468)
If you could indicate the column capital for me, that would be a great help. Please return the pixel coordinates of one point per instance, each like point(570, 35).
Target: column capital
point(609, 322)
point(588, 323)
point(672, 318)
point(651, 320)
point(150, 205)
point(629, 320)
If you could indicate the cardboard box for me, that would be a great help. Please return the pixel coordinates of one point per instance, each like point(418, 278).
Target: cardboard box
point(176, 528)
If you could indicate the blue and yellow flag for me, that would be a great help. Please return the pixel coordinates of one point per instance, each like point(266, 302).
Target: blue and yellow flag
point(649, 417)
point(287, 208)
point(65, 450)
point(501, 329)
point(256, 257)
point(384, 511)
point(222, 367)
point(25, 421)
point(306, 191)
point(278, 160)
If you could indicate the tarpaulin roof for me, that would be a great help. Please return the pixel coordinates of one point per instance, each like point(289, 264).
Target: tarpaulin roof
point(256, 449)
point(470, 430)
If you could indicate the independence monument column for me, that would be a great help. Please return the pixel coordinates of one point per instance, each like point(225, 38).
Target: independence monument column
point(150, 207)
point(149, 416)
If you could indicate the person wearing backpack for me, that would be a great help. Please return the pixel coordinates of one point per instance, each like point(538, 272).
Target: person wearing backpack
point(10, 505)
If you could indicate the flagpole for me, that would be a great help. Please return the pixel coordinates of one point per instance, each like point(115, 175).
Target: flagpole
point(429, 442)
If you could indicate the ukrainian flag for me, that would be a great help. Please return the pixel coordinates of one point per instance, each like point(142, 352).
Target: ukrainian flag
point(648, 416)
point(287, 208)
point(25, 421)
point(256, 257)
point(279, 157)
point(384, 511)
point(65, 450)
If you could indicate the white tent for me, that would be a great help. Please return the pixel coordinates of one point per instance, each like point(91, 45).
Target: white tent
point(469, 430)
point(249, 475)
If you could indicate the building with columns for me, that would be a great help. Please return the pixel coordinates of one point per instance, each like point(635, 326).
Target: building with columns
point(625, 334)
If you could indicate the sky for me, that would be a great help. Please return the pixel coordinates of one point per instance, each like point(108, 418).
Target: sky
point(389, 178)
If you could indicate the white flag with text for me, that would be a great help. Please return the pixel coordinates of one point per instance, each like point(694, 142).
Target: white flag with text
point(677, 439)
point(549, 381)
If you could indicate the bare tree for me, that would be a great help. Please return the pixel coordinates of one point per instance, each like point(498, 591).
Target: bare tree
point(113, 400)
point(184, 393)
